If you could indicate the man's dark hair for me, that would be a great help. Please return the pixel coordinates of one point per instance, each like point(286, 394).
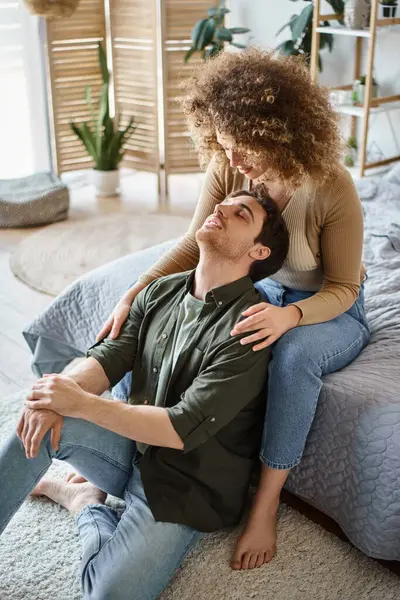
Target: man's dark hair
point(273, 234)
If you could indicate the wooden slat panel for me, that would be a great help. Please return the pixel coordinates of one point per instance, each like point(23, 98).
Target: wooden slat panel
point(73, 64)
point(180, 17)
point(133, 31)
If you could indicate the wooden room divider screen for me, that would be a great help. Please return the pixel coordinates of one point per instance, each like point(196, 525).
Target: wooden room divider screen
point(148, 40)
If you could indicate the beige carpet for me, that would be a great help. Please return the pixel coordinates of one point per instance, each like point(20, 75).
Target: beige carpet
point(39, 558)
point(55, 256)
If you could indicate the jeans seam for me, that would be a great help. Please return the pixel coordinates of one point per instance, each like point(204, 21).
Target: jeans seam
point(279, 466)
point(345, 350)
point(95, 556)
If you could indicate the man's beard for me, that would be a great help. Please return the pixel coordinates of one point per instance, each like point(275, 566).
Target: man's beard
point(221, 248)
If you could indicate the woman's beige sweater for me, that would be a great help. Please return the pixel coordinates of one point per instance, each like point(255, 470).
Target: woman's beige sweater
point(330, 217)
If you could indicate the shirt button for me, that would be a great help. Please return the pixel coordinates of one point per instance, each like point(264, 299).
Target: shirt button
point(164, 335)
point(212, 420)
point(220, 303)
point(155, 369)
point(145, 402)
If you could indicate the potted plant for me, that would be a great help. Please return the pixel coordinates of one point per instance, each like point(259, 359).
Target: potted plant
point(209, 35)
point(359, 89)
point(103, 137)
point(301, 32)
point(351, 152)
point(389, 8)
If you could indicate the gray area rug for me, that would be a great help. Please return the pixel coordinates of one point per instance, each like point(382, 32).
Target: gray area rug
point(40, 549)
point(55, 256)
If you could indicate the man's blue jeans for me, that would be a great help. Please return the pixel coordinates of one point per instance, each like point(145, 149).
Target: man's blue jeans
point(299, 359)
point(124, 557)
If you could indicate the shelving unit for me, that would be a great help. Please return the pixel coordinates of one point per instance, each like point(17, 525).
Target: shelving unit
point(371, 105)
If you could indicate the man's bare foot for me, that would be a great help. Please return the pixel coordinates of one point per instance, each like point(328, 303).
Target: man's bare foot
point(257, 544)
point(74, 494)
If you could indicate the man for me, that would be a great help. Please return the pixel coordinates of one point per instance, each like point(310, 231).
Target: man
point(181, 451)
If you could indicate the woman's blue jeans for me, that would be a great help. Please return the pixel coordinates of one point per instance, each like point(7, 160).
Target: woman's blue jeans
point(299, 360)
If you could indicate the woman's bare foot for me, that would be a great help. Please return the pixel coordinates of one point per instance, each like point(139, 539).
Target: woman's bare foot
point(74, 494)
point(257, 544)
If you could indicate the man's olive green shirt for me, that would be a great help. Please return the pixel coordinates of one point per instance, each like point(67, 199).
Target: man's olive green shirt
point(213, 396)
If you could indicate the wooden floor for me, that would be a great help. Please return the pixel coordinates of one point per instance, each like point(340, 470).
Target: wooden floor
point(19, 303)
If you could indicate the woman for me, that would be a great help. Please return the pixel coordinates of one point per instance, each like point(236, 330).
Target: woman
point(258, 118)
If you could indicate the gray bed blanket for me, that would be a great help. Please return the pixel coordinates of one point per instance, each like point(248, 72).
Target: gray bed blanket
point(351, 466)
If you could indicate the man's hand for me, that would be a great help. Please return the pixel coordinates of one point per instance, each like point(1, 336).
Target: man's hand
point(58, 393)
point(33, 426)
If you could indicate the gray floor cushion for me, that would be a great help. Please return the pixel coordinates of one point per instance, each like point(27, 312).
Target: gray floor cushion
point(34, 200)
point(351, 466)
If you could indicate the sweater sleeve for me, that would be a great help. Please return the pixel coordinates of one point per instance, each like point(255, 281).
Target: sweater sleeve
point(341, 244)
point(185, 255)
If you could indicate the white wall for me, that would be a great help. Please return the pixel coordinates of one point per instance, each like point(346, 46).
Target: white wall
point(265, 17)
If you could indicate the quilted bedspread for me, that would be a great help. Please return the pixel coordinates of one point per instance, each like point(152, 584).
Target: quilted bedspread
point(351, 465)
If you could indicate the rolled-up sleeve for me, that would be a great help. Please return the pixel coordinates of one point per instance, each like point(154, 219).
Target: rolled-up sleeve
point(117, 356)
point(236, 376)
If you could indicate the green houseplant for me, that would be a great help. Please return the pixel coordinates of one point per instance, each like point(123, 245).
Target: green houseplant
point(389, 8)
point(351, 152)
point(209, 35)
point(102, 135)
point(359, 89)
point(301, 32)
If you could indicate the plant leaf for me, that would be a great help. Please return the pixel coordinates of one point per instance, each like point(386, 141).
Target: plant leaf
point(302, 22)
point(212, 51)
point(241, 46)
point(88, 97)
point(223, 35)
point(103, 64)
point(203, 33)
point(189, 54)
point(326, 39)
point(103, 111)
point(286, 47)
point(283, 27)
point(238, 30)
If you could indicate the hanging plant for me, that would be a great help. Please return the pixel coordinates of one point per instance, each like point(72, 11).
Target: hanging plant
point(52, 8)
point(209, 35)
point(301, 30)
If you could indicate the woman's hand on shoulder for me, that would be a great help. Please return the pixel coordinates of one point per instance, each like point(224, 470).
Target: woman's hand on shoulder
point(268, 321)
point(120, 313)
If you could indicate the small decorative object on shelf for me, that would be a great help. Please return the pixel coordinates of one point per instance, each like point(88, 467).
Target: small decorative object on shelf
point(351, 152)
point(357, 13)
point(358, 94)
point(389, 8)
point(103, 137)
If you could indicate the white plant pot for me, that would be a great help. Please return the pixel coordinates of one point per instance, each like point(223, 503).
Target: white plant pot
point(106, 182)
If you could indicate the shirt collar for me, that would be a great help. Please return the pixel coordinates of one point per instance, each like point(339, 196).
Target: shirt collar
point(223, 294)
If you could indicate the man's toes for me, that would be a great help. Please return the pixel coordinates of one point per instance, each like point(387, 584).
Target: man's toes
point(260, 559)
point(246, 560)
point(236, 562)
point(269, 555)
point(75, 478)
point(253, 560)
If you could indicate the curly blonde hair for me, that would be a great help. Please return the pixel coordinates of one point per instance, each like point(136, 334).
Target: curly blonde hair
point(270, 107)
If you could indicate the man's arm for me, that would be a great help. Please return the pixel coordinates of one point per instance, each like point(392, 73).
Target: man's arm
point(215, 397)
